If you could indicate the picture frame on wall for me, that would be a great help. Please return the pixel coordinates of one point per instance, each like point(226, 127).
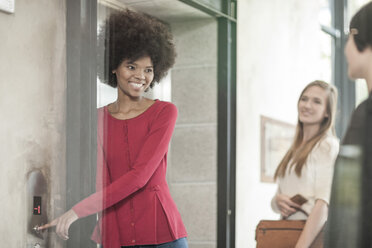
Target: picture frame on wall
point(276, 138)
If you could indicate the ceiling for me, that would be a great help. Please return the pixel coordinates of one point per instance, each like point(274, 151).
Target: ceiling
point(167, 10)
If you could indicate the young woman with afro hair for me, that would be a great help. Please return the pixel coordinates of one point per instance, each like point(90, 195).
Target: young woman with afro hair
point(132, 196)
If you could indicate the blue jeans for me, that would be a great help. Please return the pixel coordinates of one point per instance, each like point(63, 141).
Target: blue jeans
point(179, 243)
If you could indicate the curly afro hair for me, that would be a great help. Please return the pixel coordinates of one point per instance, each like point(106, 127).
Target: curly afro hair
point(132, 35)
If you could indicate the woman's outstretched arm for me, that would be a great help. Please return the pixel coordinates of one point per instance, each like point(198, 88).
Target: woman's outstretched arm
point(152, 152)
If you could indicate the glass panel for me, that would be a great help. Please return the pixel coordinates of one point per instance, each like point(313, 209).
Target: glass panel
point(325, 41)
point(281, 48)
point(37, 40)
point(105, 93)
point(216, 4)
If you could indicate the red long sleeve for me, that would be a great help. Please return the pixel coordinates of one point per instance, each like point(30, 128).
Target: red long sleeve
point(132, 196)
point(148, 160)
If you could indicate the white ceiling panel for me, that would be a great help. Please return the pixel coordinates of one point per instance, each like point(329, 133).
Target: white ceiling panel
point(168, 10)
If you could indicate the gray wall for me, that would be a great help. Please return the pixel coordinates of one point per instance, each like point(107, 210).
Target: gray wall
point(32, 107)
point(193, 165)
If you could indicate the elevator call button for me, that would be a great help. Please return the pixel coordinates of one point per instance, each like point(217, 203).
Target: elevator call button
point(37, 205)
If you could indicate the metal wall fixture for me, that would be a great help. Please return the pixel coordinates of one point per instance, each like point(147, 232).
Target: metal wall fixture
point(37, 207)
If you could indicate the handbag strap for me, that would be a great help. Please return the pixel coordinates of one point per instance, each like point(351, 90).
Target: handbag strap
point(303, 211)
point(298, 209)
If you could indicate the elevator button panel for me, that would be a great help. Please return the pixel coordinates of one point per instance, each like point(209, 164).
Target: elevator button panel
point(37, 205)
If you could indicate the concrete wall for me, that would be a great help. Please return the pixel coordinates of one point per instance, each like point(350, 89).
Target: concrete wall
point(32, 107)
point(192, 173)
point(280, 50)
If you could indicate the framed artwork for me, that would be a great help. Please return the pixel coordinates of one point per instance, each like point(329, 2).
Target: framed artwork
point(276, 138)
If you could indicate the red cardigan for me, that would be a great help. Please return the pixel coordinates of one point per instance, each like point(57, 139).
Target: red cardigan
point(133, 199)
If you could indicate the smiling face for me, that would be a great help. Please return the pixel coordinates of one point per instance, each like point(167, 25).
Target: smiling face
point(312, 106)
point(134, 77)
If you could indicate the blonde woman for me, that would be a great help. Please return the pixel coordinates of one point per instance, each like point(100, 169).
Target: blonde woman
point(307, 168)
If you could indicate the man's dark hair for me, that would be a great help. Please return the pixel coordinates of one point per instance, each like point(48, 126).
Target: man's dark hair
point(362, 22)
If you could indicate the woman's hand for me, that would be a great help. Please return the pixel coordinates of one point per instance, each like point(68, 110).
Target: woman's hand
point(285, 205)
point(62, 223)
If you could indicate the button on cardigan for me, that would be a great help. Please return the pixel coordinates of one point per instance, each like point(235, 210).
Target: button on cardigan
point(133, 199)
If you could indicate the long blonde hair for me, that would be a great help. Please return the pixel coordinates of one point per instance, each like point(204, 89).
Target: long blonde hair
point(298, 154)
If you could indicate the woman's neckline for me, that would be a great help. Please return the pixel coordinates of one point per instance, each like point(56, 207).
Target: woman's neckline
point(135, 117)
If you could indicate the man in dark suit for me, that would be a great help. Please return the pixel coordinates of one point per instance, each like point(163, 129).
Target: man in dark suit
point(350, 211)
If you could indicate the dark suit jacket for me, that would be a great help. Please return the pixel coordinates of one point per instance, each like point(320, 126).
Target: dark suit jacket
point(355, 132)
point(345, 215)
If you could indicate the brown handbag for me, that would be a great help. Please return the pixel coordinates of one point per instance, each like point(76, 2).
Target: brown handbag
point(283, 234)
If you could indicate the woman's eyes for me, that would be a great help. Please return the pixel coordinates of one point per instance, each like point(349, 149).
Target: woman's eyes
point(305, 99)
point(132, 68)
